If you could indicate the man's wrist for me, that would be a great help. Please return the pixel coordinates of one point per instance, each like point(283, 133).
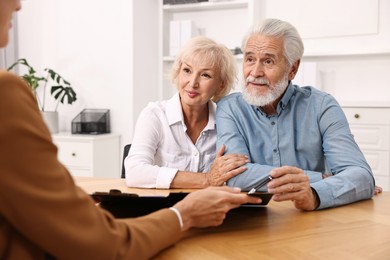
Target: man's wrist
point(316, 198)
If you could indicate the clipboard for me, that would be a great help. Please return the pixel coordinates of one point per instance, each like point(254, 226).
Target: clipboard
point(125, 205)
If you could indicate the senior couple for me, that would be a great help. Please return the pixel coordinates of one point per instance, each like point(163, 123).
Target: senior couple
point(295, 134)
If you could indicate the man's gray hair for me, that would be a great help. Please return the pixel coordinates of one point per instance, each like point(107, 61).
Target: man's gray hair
point(293, 45)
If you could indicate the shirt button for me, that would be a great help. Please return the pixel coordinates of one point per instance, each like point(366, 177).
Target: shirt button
point(272, 123)
point(195, 153)
point(275, 150)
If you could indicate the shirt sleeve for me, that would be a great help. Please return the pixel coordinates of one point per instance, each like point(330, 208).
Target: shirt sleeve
point(39, 201)
point(352, 178)
point(228, 134)
point(141, 170)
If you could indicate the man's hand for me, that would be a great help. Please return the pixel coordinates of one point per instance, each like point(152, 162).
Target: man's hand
point(208, 207)
point(291, 183)
point(225, 167)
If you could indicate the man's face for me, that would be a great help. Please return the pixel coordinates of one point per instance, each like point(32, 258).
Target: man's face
point(265, 69)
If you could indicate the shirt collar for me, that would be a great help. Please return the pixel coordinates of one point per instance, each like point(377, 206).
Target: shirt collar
point(212, 108)
point(286, 97)
point(174, 112)
point(290, 91)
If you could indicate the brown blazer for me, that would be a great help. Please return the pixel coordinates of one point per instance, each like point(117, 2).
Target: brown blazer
point(41, 208)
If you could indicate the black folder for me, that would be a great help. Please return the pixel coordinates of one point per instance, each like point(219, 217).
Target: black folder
point(125, 205)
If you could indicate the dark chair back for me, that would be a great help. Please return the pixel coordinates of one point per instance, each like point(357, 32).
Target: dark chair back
point(126, 150)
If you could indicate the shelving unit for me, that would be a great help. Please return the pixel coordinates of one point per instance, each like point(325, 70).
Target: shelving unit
point(320, 55)
point(206, 6)
point(234, 18)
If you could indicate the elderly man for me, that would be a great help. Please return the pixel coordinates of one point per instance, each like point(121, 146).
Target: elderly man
point(297, 135)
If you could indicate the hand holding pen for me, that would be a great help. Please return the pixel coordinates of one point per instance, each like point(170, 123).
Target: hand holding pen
point(292, 184)
point(261, 184)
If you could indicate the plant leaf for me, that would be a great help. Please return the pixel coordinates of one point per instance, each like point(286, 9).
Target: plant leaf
point(62, 93)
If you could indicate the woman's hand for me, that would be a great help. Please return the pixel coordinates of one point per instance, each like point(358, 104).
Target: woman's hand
point(225, 167)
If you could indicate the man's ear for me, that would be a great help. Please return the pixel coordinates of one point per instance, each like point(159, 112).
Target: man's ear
point(294, 70)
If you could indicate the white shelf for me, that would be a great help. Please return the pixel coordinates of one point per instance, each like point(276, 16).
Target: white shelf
point(168, 58)
point(70, 136)
point(365, 104)
point(206, 6)
point(171, 58)
point(346, 54)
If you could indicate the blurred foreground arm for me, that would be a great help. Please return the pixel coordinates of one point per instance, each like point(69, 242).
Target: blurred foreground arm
point(208, 207)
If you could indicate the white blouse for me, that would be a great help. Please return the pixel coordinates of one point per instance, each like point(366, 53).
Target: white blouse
point(161, 146)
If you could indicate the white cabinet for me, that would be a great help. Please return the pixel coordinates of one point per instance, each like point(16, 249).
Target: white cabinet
point(89, 155)
point(327, 30)
point(224, 21)
point(371, 129)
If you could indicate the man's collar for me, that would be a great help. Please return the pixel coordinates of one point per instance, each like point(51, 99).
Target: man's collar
point(286, 96)
point(283, 101)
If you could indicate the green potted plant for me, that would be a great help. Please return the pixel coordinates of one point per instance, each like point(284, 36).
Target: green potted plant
point(61, 90)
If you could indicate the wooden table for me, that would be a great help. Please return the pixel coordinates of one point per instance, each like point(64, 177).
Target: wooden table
point(279, 231)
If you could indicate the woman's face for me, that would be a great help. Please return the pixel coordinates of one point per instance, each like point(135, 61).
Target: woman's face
point(197, 83)
point(7, 7)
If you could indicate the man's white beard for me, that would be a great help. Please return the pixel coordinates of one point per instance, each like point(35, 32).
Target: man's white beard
point(249, 94)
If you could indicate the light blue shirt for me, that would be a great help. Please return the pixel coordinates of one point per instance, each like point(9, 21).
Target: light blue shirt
point(309, 131)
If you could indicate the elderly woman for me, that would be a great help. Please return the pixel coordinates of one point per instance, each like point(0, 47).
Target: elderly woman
point(174, 144)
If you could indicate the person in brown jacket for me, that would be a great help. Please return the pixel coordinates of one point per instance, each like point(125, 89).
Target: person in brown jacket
point(44, 214)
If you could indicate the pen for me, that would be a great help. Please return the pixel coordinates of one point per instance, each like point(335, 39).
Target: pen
point(261, 184)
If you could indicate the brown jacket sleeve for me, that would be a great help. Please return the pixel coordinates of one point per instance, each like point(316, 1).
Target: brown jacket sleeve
point(41, 209)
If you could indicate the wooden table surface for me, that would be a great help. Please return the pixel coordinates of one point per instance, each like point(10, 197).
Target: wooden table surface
point(279, 231)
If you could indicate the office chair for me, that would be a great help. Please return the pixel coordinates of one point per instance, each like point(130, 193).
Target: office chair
point(126, 150)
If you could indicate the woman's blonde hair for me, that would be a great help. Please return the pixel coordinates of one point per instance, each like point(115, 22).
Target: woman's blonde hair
point(217, 55)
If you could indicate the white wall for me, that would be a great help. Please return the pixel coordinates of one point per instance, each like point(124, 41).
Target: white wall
point(360, 80)
point(347, 41)
point(105, 49)
point(145, 54)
